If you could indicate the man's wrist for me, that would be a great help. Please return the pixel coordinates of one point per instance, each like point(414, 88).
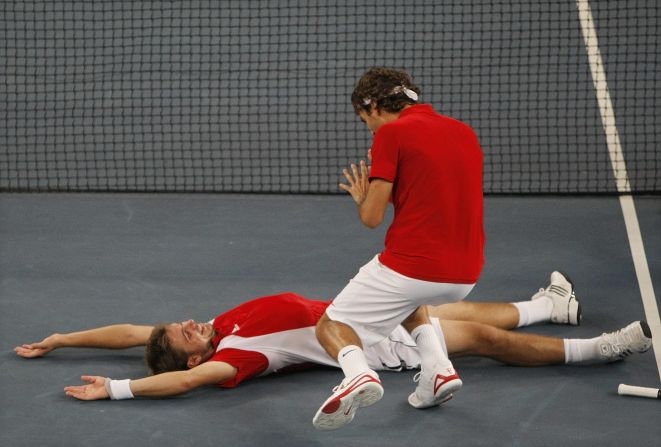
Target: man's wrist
point(118, 389)
point(57, 341)
point(361, 200)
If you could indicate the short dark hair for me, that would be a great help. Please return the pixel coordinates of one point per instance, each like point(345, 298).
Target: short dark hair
point(160, 355)
point(379, 86)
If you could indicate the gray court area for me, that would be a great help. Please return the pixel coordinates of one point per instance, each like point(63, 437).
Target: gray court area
point(69, 262)
point(253, 96)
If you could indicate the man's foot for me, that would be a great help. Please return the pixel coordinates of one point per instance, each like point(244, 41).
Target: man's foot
point(354, 392)
point(566, 308)
point(435, 388)
point(617, 345)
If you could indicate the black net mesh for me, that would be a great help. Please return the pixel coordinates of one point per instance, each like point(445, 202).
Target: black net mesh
point(253, 96)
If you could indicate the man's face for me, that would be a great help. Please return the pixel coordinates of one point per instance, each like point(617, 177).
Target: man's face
point(192, 337)
point(376, 118)
point(371, 119)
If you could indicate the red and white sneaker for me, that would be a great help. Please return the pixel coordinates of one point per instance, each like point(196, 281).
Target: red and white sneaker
point(436, 388)
point(361, 390)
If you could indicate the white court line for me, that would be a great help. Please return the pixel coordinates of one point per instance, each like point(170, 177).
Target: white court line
point(621, 177)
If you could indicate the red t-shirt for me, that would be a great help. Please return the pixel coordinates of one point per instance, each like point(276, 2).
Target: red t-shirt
point(269, 334)
point(435, 165)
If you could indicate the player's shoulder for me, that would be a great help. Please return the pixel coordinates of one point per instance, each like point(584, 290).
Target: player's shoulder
point(457, 126)
point(273, 313)
point(452, 121)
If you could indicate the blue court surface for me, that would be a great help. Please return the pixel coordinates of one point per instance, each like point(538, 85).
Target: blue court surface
point(75, 261)
point(161, 161)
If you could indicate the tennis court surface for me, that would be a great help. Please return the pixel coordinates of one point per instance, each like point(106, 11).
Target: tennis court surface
point(76, 261)
point(162, 161)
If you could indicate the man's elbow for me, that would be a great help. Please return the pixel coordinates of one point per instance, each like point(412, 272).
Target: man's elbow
point(135, 335)
point(189, 383)
point(372, 221)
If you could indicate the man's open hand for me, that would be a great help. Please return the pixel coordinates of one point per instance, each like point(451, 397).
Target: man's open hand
point(94, 390)
point(358, 182)
point(39, 349)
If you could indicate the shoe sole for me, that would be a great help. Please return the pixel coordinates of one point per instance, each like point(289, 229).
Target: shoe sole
point(647, 333)
point(574, 308)
point(570, 310)
point(333, 415)
point(446, 393)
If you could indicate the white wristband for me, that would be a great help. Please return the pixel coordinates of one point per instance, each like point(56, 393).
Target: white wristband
point(118, 389)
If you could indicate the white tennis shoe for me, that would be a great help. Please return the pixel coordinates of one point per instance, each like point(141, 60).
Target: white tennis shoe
point(566, 308)
point(636, 337)
point(434, 388)
point(351, 394)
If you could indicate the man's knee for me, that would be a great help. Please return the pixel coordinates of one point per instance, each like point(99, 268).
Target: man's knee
point(322, 324)
point(488, 339)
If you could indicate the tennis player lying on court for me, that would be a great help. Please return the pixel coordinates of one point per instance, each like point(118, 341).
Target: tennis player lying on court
point(274, 333)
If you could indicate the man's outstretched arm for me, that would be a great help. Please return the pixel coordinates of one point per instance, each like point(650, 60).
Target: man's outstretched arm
point(160, 385)
point(117, 336)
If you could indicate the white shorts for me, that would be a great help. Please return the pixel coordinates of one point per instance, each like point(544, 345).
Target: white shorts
point(377, 299)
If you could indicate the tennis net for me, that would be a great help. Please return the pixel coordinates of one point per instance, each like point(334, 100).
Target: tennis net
point(253, 96)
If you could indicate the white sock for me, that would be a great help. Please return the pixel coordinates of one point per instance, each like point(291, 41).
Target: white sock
point(352, 360)
point(534, 311)
point(582, 350)
point(429, 347)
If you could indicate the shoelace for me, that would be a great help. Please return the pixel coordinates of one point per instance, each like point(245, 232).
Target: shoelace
point(341, 385)
point(417, 376)
point(617, 342)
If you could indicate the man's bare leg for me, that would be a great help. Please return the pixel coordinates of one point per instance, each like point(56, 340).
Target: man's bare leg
point(500, 315)
point(361, 386)
point(557, 303)
point(465, 338)
point(334, 335)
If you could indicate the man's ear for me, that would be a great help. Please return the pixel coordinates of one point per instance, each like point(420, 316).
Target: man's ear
point(193, 361)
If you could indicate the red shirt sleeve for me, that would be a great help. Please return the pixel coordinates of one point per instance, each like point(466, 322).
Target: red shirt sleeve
point(248, 363)
point(385, 154)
